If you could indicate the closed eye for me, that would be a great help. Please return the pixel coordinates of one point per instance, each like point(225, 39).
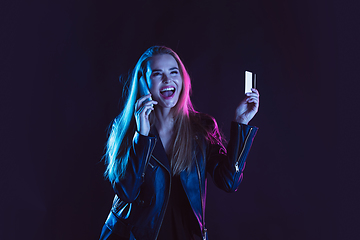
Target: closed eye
point(155, 74)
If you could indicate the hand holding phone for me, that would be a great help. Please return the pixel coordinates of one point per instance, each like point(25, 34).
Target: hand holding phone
point(143, 108)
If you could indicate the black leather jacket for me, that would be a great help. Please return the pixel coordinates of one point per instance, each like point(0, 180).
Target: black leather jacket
point(141, 197)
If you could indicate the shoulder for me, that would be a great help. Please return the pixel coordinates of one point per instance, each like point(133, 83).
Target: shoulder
point(203, 120)
point(206, 125)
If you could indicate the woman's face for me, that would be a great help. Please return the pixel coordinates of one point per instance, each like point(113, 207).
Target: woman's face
point(164, 80)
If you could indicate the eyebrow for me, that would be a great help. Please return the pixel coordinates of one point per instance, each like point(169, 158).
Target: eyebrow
point(159, 70)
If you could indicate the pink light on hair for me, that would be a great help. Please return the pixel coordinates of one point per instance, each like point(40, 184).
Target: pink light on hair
point(184, 104)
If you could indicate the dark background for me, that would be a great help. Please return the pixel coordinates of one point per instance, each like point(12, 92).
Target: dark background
point(60, 64)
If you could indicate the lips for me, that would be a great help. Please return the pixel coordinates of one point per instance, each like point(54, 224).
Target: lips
point(167, 92)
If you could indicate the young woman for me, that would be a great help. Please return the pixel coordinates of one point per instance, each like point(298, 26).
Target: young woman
point(160, 150)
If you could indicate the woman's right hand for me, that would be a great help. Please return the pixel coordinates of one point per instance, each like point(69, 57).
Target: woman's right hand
point(143, 108)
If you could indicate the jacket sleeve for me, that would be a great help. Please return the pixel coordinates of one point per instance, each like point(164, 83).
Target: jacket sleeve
point(226, 167)
point(128, 188)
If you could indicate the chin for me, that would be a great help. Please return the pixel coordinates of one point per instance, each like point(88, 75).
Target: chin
point(169, 104)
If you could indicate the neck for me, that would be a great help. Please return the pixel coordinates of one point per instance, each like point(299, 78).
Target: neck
point(164, 119)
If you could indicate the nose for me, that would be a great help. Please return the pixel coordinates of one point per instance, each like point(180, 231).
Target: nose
point(166, 78)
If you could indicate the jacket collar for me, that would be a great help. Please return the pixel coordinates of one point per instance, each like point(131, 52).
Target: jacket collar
point(159, 152)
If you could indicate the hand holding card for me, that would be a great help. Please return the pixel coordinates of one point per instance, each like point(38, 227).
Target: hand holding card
point(249, 106)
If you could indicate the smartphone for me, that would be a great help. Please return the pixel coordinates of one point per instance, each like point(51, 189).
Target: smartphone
point(250, 81)
point(144, 89)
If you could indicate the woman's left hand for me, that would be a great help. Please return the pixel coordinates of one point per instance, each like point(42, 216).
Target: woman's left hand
point(248, 107)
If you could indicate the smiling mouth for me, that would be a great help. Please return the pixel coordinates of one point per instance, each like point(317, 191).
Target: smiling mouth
point(167, 92)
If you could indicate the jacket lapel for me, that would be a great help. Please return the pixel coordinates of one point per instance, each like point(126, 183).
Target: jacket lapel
point(191, 185)
point(159, 153)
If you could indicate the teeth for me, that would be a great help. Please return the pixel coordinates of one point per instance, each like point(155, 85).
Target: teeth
point(168, 89)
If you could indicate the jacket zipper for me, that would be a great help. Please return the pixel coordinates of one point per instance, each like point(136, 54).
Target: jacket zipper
point(150, 165)
point(203, 230)
point(242, 151)
point(167, 202)
point(148, 158)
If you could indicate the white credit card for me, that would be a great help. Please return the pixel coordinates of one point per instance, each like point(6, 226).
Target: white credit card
point(250, 81)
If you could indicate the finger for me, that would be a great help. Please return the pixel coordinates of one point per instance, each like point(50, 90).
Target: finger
point(252, 99)
point(150, 103)
point(148, 111)
point(138, 111)
point(145, 110)
point(141, 100)
point(146, 106)
point(254, 90)
point(252, 94)
point(253, 102)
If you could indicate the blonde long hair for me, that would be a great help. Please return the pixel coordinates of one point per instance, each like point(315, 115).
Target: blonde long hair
point(123, 126)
